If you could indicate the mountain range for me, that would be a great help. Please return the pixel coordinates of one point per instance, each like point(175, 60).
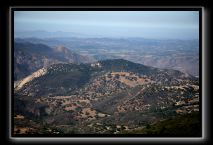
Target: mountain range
point(104, 97)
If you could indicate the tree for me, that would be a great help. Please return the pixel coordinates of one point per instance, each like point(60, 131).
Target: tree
point(148, 126)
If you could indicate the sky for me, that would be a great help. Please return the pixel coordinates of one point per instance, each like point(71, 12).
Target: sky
point(121, 24)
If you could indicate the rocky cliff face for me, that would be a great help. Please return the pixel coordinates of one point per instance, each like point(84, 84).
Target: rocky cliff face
point(19, 84)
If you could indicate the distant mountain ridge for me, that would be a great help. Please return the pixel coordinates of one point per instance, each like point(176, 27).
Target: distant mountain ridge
point(46, 34)
point(29, 57)
point(182, 55)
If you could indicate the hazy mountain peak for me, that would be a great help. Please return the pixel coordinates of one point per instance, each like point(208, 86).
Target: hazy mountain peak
point(62, 49)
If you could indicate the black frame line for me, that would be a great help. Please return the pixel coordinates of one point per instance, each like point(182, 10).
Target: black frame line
point(13, 9)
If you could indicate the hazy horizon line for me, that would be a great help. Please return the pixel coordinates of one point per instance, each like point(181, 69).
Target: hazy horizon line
point(86, 36)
